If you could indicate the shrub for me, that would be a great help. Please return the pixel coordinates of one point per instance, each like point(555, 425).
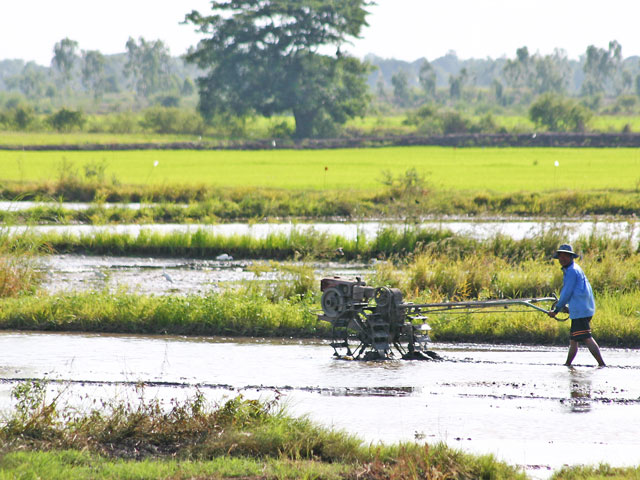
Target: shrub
point(66, 120)
point(172, 120)
point(557, 114)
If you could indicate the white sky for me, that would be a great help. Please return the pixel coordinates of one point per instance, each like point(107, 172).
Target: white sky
point(402, 29)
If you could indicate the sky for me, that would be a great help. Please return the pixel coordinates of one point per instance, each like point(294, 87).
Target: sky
point(401, 29)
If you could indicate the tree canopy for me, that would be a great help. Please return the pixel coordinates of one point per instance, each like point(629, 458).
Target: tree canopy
point(264, 56)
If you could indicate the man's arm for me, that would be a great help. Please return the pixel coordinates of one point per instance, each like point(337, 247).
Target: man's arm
point(569, 283)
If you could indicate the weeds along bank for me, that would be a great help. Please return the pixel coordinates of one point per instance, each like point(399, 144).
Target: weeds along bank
point(228, 205)
point(192, 439)
point(426, 266)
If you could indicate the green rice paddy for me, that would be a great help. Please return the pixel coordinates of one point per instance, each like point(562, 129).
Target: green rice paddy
point(469, 169)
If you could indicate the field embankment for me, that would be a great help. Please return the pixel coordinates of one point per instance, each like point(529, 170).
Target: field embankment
point(542, 139)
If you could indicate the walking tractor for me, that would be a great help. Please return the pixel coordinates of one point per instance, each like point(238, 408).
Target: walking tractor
point(372, 323)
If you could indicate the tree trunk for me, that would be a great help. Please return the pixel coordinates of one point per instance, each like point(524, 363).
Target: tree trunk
point(304, 123)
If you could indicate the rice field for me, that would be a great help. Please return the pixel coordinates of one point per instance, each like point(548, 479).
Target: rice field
point(467, 169)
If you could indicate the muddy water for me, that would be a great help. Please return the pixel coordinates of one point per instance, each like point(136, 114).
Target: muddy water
point(9, 206)
point(518, 403)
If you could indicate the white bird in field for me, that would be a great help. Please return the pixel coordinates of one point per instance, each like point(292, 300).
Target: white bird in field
point(100, 275)
point(166, 276)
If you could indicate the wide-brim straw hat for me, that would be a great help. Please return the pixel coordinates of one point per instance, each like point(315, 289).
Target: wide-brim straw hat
point(566, 248)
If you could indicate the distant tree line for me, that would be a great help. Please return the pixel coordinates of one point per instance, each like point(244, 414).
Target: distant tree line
point(268, 57)
point(146, 69)
point(598, 77)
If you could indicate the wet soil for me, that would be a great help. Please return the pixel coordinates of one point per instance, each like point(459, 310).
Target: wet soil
point(161, 276)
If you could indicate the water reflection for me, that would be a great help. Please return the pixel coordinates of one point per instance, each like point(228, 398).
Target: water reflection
point(579, 391)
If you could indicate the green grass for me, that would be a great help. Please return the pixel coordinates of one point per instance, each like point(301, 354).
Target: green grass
point(615, 123)
point(81, 465)
point(466, 169)
point(600, 472)
point(72, 138)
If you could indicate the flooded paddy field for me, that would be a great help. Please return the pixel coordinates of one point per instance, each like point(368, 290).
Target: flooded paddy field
point(519, 403)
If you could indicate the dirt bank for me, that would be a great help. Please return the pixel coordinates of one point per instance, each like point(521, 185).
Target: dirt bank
point(592, 140)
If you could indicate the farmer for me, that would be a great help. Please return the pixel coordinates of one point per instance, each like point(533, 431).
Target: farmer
point(576, 291)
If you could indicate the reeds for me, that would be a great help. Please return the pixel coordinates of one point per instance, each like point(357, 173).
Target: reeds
point(400, 244)
point(237, 313)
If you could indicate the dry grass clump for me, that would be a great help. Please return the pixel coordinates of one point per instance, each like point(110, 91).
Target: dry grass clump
point(18, 266)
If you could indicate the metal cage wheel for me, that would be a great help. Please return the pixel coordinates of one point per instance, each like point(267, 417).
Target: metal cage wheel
point(349, 339)
point(383, 296)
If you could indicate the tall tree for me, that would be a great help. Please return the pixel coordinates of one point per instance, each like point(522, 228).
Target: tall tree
point(551, 73)
point(517, 71)
point(401, 92)
point(457, 83)
point(427, 78)
point(32, 81)
point(600, 68)
point(264, 56)
point(537, 73)
point(93, 72)
point(148, 65)
point(64, 57)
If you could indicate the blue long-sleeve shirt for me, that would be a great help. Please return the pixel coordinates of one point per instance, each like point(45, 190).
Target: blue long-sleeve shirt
point(576, 291)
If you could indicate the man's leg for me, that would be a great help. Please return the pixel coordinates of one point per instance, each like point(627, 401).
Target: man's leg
point(573, 349)
point(593, 347)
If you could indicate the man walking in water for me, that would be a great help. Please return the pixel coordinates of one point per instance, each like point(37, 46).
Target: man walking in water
point(577, 293)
